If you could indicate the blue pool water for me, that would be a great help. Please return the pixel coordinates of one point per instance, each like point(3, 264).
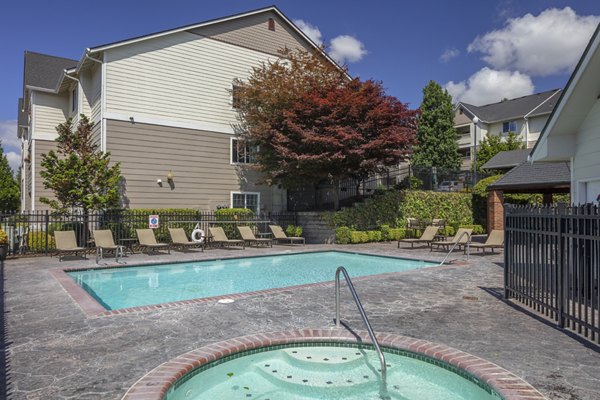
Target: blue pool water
point(155, 284)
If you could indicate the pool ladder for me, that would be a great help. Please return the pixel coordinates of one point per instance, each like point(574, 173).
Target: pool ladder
point(361, 310)
point(456, 244)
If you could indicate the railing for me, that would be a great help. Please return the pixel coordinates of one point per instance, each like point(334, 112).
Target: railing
point(361, 310)
point(552, 264)
point(459, 243)
point(32, 233)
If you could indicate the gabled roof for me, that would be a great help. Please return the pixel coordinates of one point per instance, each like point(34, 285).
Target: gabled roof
point(43, 71)
point(576, 101)
point(507, 159)
point(527, 177)
point(507, 110)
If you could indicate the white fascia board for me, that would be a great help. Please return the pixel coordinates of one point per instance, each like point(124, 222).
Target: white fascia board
point(40, 89)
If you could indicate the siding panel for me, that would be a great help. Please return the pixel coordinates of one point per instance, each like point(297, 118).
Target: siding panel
point(41, 147)
point(199, 161)
point(180, 77)
point(49, 110)
point(586, 165)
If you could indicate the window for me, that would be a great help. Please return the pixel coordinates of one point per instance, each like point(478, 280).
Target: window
point(235, 96)
point(248, 200)
point(510, 126)
point(74, 100)
point(271, 24)
point(242, 152)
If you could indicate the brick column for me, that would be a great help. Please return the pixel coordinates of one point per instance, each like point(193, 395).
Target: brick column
point(495, 210)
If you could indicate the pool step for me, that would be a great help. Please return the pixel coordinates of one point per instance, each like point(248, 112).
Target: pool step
point(316, 359)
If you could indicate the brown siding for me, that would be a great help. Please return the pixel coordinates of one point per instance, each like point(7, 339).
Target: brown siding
point(41, 147)
point(199, 161)
point(253, 32)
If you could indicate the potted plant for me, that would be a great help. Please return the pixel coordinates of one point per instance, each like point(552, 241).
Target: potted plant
point(3, 245)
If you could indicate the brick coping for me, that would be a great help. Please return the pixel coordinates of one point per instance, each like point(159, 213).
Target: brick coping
point(94, 309)
point(155, 384)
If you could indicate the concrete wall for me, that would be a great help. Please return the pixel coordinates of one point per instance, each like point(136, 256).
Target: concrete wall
point(315, 230)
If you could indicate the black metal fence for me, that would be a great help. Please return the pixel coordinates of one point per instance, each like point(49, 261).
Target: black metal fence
point(552, 263)
point(32, 233)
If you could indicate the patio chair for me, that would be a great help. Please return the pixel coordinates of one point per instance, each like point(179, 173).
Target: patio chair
point(180, 239)
point(67, 243)
point(412, 224)
point(280, 236)
point(441, 223)
point(219, 237)
point(495, 240)
point(248, 237)
point(147, 240)
point(104, 242)
point(460, 239)
point(427, 237)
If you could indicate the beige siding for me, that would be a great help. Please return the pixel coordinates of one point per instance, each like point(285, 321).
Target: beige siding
point(41, 147)
point(460, 118)
point(91, 85)
point(179, 77)
point(48, 110)
point(252, 32)
point(199, 161)
point(587, 157)
point(536, 124)
point(96, 132)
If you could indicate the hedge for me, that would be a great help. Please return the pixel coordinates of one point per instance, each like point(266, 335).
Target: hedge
point(453, 207)
point(381, 209)
point(345, 235)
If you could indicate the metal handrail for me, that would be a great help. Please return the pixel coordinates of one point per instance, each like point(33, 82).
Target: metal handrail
point(362, 314)
point(456, 244)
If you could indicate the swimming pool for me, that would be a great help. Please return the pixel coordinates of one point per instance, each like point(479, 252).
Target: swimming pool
point(118, 288)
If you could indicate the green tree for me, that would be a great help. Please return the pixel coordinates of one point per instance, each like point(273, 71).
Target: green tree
point(493, 144)
point(437, 144)
point(9, 187)
point(80, 176)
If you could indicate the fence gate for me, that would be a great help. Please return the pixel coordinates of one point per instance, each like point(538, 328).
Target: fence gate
point(552, 263)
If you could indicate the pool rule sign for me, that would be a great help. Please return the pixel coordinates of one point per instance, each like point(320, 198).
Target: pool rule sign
point(153, 221)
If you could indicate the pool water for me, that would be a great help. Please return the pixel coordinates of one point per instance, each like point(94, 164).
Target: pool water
point(118, 288)
point(327, 372)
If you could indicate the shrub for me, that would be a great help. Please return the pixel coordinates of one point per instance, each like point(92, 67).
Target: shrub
point(477, 229)
point(453, 207)
point(374, 236)
point(232, 214)
point(343, 235)
point(37, 242)
point(359, 237)
point(448, 230)
point(385, 232)
point(3, 237)
point(397, 233)
point(381, 209)
point(293, 230)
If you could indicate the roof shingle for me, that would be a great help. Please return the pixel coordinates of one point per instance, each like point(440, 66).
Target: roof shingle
point(535, 176)
point(44, 71)
point(507, 159)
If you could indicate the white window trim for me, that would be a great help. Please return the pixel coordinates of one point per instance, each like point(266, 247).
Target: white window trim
point(509, 130)
point(245, 193)
point(231, 162)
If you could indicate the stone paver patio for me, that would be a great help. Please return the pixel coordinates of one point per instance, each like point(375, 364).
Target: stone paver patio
point(53, 351)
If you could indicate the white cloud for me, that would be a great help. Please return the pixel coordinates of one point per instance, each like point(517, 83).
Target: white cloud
point(449, 54)
point(14, 160)
point(310, 30)
point(345, 49)
point(490, 86)
point(8, 134)
point(541, 45)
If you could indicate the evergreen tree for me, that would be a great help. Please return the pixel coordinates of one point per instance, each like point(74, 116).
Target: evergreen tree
point(9, 187)
point(437, 144)
point(79, 175)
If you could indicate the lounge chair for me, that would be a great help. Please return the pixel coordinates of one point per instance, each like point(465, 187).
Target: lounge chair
point(427, 237)
point(147, 240)
point(441, 223)
point(248, 237)
point(180, 239)
point(219, 237)
point(105, 242)
point(280, 236)
point(495, 240)
point(66, 243)
point(460, 239)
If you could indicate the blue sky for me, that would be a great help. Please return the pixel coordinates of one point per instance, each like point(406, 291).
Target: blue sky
point(482, 51)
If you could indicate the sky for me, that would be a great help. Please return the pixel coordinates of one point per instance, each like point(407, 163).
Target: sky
point(480, 51)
